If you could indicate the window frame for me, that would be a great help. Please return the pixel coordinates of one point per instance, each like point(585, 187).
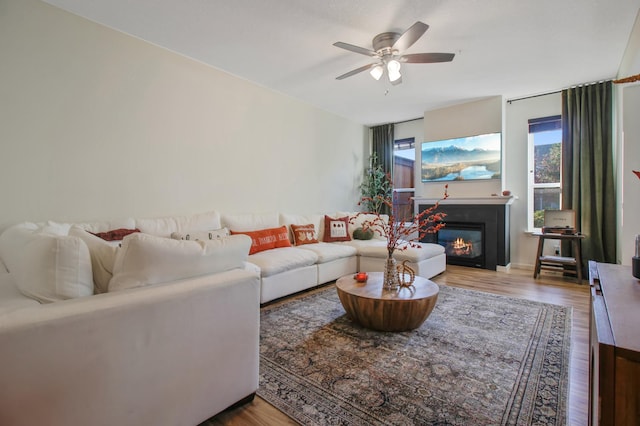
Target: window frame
point(405, 144)
point(542, 124)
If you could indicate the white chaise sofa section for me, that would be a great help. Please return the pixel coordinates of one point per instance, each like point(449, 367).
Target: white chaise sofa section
point(165, 351)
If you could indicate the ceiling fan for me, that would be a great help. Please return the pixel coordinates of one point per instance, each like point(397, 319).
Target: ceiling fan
point(387, 53)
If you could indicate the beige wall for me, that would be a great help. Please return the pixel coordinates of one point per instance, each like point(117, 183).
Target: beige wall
point(96, 124)
point(473, 118)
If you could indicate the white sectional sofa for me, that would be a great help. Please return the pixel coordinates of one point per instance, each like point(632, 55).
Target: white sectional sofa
point(154, 329)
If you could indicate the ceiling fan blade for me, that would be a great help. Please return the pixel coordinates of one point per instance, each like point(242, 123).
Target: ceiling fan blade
point(354, 72)
point(426, 58)
point(410, 36)
point(356, 49)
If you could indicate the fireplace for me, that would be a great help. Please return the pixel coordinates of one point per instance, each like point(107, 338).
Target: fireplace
point(463, 243)
point(491, 220)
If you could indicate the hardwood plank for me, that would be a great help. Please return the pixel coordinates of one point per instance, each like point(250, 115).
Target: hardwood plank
point(548, 288)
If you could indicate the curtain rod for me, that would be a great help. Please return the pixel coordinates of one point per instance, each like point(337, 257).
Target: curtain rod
point(556, 91)
point(532, 96)
point(406, 121)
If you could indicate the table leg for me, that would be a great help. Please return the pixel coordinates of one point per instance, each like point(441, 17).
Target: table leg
point(536, 270)
point(577, 252)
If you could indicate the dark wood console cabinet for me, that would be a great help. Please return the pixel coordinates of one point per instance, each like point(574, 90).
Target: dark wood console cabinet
point(614, 359)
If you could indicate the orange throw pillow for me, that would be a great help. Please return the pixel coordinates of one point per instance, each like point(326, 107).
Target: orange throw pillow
point(336, 229)
point(304, 234)
point(266, 239)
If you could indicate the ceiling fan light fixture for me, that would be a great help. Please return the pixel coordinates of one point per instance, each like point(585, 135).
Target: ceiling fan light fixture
point(376, 72)
point(393, 68)
point(393, 76)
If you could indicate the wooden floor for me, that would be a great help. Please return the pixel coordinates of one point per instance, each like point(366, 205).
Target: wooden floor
point(550, 288)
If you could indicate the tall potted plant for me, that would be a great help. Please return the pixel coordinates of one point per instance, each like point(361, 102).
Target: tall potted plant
point(376, 187)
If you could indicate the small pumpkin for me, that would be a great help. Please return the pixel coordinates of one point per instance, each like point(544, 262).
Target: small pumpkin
point(362, 234)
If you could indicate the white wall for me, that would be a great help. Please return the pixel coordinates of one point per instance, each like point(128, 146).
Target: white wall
point(629, 184)
point(517, 114)
point(628, 101)
point(96, 124)
point(473, 118)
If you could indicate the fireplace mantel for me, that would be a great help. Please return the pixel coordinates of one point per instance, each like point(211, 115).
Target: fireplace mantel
point(472, 201)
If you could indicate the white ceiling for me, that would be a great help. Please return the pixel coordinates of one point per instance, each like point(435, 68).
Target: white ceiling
point(512, 48)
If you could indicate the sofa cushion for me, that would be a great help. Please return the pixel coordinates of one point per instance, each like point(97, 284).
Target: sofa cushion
point(327, 252)
point(304, 234)
point(165, 226)
point(372, 245)
point(266, 239)
point(103, 257)
point(147, 259)
point(412, 254)
point(201, 235)
point(317, 220)
point(250, 221)
point(51, 267)
point(272, 262)
point(336, 229)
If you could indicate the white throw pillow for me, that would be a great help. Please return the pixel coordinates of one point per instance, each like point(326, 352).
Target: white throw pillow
point(146, 259)
point(201, 235)
point(12, 242)
point(165, 226)
point(103, 257)
point(54, 267)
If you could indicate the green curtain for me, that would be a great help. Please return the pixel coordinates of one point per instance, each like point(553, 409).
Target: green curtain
point(588, 167)
point(382, 147)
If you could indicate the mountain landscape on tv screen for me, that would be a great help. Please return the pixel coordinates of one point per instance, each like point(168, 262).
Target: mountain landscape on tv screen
point(456, 163)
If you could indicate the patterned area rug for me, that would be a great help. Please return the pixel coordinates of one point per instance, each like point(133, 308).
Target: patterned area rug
point(479, 359)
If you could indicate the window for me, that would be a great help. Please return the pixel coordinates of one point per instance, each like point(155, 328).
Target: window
point(404, 158)
point(545, 160)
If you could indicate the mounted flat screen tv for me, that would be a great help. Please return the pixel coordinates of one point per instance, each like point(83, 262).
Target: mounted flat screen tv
point(462, 159)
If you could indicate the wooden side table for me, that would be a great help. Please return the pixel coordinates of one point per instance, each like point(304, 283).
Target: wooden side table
point(371, 306)
point(567, 265)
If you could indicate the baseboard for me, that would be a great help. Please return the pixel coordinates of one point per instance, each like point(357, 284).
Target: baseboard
point(524, 266)
point(501, 268)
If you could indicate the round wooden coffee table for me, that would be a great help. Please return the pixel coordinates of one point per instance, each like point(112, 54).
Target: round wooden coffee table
point(371, 306)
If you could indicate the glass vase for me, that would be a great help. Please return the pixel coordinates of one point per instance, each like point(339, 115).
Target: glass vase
point(390, 275)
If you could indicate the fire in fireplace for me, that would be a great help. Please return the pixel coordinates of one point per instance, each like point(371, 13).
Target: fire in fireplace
point(463, 243)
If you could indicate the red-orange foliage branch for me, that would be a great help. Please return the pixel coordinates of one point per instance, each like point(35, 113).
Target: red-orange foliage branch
point(399, 233)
